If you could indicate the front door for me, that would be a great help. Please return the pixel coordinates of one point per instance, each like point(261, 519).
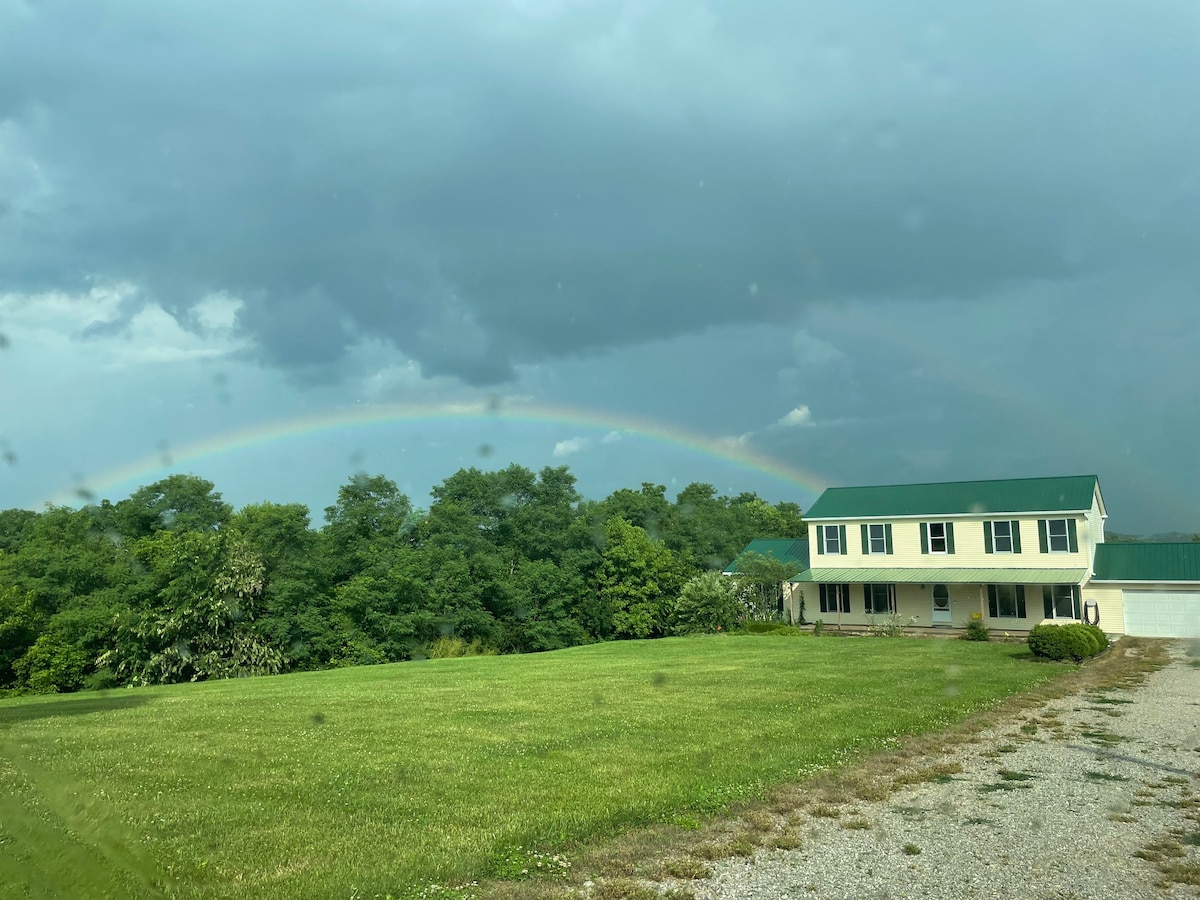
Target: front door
point(941, 605)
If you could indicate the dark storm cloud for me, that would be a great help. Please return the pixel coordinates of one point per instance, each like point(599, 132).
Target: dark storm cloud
point(488, 184)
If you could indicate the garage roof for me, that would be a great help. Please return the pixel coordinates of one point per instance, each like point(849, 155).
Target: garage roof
point(1147, 562)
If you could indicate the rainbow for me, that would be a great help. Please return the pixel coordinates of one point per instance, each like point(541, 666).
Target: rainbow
point(363, 416)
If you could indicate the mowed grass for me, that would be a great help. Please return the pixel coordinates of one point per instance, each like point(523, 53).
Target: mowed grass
point(376, 780)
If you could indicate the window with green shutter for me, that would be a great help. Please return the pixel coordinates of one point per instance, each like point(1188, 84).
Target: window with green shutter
point(1061, 536)
point(937, 537)
point(1059, 601)
point(1006, 601)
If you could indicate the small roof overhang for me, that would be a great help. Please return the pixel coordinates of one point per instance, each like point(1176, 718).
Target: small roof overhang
point(940, 576)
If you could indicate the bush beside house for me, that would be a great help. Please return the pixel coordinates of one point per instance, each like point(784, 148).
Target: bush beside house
point(1076, 641)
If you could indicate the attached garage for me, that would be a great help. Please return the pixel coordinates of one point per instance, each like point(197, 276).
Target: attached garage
point(1158, 586)
point(1165, 614)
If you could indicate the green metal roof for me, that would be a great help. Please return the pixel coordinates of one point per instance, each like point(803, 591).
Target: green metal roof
point(940, 576)
point(1066, 494)
point(785, 550)
point(1147, 562)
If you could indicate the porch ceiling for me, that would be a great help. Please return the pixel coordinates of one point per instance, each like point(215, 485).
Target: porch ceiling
point(940, 576)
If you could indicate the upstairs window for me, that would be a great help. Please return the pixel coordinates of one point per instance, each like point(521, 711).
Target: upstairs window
point(1058, 536)
point(1056, 530)
point(1002, 536)
point(876, 539)
point(832, 545)
point(937, 537)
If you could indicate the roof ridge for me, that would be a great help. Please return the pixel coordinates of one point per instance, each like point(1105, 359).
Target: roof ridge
point(843, 487)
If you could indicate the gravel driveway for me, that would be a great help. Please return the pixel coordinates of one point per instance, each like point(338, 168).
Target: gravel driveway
point(1053, 805)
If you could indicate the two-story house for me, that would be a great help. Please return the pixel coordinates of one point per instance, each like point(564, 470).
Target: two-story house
point(1016, 552)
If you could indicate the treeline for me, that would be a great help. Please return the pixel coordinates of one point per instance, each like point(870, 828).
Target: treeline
point(172, 584)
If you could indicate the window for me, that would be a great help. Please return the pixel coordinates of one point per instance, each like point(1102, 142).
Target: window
point(1002, 536)
point(1056, 532)
point(878, 543)
point(937, 537)
point(941, 598)
point(835, 598)
point(1006, 601)
point(831, 541)
point(1061, 601)
point(876, 539)
point(880, 598)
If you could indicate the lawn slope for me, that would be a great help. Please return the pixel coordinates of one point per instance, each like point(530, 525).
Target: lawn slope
point(381, 778)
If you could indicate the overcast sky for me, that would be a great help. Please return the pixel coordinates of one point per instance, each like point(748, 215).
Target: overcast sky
point(875, 242)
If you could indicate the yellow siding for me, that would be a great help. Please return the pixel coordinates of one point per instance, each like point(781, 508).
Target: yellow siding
point(968, 547)
point(1111, 604)
point(1095, 529)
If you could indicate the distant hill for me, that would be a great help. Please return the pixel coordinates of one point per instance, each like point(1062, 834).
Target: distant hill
point(1168, 537)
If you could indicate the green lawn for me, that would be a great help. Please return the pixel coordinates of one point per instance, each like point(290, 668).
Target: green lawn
point(382, 778)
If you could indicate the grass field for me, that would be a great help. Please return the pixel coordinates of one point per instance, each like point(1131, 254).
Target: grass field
point(369, 781)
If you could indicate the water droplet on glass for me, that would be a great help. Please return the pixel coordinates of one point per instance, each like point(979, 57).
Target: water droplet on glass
point(485, 450)
point(914, 219)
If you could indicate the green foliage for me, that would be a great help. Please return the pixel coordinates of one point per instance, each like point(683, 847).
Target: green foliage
point(707, 603)
point(455, 647)
point(639, 581)
point(975, 630)
point(760, 582)
point(1075, 641)
point(778, 628)
point(510, 559)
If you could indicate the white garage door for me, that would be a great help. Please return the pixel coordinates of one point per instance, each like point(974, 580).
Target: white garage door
point(1174, 614)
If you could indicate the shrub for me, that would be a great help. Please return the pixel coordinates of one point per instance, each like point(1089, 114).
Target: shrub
point(891, 626)
point(1060, 642)
point(772, 628)
point(818, 628)
point(707, 603)
point(450, 647)
point(975, 630)
point(1101, 637)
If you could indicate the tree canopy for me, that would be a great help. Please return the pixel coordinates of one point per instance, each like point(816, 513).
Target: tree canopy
point(173, 584)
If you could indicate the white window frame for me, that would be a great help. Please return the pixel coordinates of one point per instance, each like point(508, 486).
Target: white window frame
point(996, 536)
point(1065, 536)
point(1012, 593)
point(833, 544)
point(943, 538)
point(871, 539)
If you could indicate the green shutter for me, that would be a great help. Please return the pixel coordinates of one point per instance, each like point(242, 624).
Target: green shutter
point(949, 537)
point(1020, 601)
point(866, 539)
point(820, 540)
point(1043, 543)
point(821, 593)
point(988, 547)
point(1073, 537)
point(1047, 601)
point(842, 540)
point(992, 609)
point(887, 537)
point(1075, 604)
point(867, 598)
point(1015, 527)
point(845, 598)
point(925, 538)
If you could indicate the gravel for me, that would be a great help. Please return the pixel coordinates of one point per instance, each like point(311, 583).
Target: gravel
point(1046, 836)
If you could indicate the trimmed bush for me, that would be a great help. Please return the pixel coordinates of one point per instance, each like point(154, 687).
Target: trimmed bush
point(976, 631)
point(1061, 642)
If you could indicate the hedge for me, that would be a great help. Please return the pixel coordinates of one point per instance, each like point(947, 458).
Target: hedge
point(1076, 641)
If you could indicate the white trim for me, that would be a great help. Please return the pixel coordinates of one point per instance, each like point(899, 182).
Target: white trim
point(986, 516)
point(871, 551)
point(1129, 581)
point(945, 539)
point(1066, 536)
